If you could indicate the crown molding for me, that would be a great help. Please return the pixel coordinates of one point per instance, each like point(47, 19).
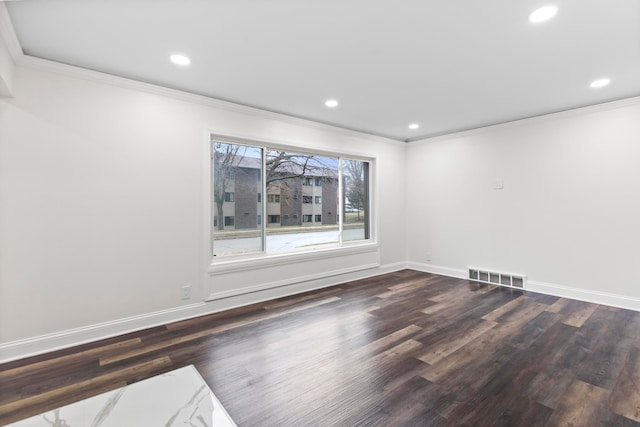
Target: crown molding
point(590, 109)
point(32, 62)
point(8, 34)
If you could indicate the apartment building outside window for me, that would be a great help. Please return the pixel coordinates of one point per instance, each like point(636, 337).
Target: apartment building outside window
point(313, 200)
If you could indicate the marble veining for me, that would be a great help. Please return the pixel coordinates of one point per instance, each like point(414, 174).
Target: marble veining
point(177, 398)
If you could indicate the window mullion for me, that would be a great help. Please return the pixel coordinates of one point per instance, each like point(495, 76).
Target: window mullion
point(264, 203)
point(341, 196)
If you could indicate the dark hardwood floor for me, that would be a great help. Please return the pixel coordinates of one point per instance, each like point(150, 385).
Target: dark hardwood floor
point(406, 348)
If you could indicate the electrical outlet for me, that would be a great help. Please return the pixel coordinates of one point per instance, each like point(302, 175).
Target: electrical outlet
point(185, 292)
point(427, 256)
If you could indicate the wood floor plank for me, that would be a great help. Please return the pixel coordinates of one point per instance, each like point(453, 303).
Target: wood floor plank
point(436, 352)
point(418, 282)
point(625, 397)
point(559, 305)
point(581, 405)
point(610, 348)
point(406, 347)
point(557, 355)
point(578, 316)
point(414, 403)
point(524, 412)
point(497, 395)
point(506, 308)
point(49, 363)
point(382, 344)
point(614, 420)
point(404, 288)
point(542, 299)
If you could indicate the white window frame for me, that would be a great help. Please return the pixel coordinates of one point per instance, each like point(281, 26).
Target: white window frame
point(257, 260)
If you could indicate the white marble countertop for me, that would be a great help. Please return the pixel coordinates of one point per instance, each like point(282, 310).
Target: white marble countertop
point(177, 398)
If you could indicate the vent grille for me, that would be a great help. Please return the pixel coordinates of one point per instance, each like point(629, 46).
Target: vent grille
point(500, 278)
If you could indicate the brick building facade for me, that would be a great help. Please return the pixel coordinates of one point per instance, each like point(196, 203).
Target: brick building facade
point(306, 200)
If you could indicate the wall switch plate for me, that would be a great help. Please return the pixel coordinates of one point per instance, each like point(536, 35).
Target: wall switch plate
point(498, 184)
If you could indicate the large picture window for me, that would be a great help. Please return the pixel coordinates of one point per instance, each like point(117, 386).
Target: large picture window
point(314, 200)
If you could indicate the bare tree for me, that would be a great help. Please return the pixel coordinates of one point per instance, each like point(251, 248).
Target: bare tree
point(354, 184)
point(226, 157)
point(283, 165)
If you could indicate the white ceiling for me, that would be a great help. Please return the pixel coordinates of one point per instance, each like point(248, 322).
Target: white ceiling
point(448, 65)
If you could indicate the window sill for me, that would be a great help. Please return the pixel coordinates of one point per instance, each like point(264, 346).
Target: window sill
point(263, 260)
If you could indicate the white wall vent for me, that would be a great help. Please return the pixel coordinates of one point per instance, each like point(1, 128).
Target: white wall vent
point(501, 278)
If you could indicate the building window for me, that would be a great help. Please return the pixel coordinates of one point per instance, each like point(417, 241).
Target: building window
point(237, 169)
point(274, 219)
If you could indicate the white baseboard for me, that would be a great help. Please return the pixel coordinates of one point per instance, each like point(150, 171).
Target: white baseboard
point(437, 269)
point(46, 343)
point(71, 337)
point(586, 295)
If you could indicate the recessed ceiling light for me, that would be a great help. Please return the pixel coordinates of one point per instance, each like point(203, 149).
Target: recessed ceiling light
point(180, 60)
point(599, 83)
point(414, 126)
point(331, 103)
point(543, 14)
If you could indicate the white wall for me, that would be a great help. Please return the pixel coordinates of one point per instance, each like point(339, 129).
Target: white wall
point(101, 201)
point(568, 216)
